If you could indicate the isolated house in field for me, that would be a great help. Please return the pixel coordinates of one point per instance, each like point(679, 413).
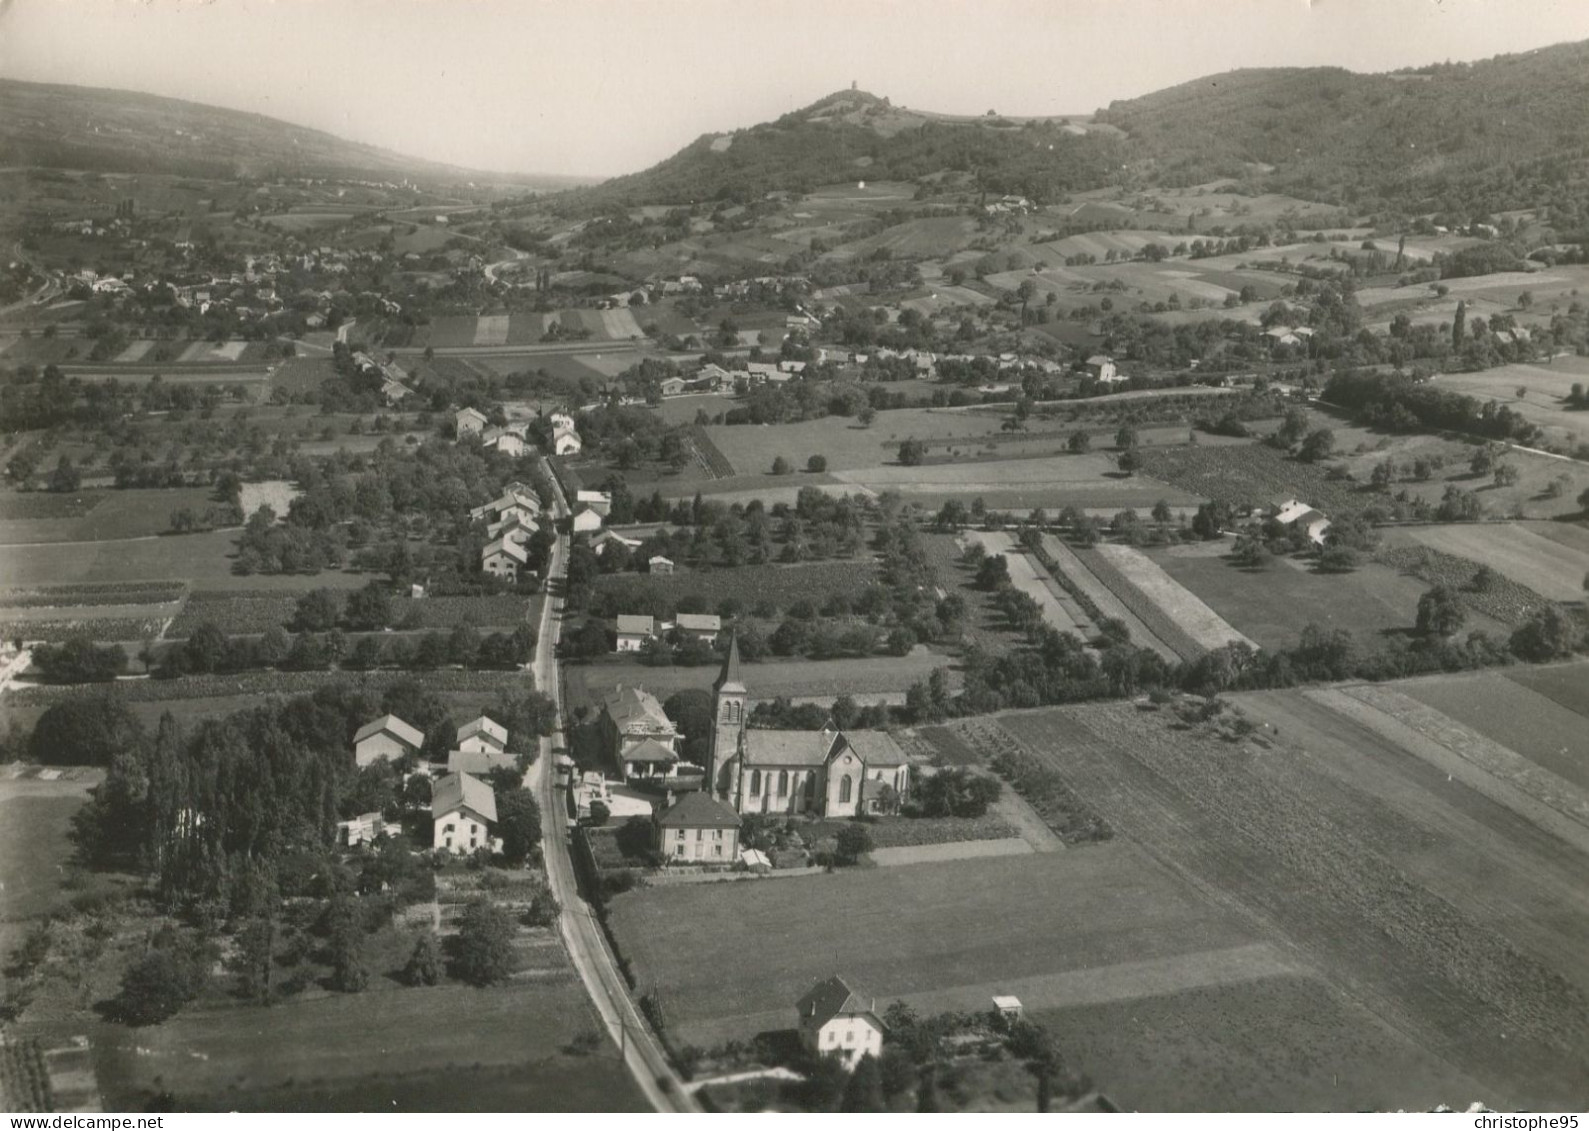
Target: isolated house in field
point(827, 773)
point(1101, 367)
point(1294, 514)
point(470, 422)
point(479, 762)
point(462, 810)
point(698, 829)
point(586, 522)
point(504, 558)
point(386, 737)
point(639, 738)
point(836, 1021)
point(702, 626)
point(659, 565)
point(482, 734)
point(634, 631)
point(598, 501)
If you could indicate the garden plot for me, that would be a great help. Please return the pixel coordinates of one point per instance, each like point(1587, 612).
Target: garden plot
point(492, 330)
point(1103, 597)
point(524, 328)
point(1206, 627)
point(1514, 551)
point(620, 325)
point(135, 351)
point(1025, 576)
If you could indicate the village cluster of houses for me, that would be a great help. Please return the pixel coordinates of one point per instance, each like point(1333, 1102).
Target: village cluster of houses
point(463, 805)
point(634, 631)
point(512, 518)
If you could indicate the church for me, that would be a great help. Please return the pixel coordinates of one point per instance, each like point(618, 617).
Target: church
point(818, 773)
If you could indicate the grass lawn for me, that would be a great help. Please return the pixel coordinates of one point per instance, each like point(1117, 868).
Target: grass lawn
point(731, 959)
point(1274, 604)
point(1551, 568)
point(783, 585)
point(1089, 481)
point(847, 446)
point(205, 559)
point(109, 514)
point(35, 819)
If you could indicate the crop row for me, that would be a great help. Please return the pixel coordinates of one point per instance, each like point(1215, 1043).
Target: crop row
point(716, 462)
point(1062, 809)
point(101, 629)
point(1247, 474)
point(112, 593)
point(1155, 619)
point(1502, 598)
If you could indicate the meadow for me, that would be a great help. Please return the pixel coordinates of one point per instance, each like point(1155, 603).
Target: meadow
point(1553, 569)
point(107, 514)
point(203, 559)
point(780, 585)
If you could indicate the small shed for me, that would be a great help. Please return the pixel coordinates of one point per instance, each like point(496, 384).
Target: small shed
point(1007, 1006)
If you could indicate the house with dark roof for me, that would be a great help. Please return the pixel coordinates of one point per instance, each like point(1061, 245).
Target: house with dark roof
point(633, 631)
point(639, 739)
point(462, 810)
point(482, 734)
point(480, 763)
point(834, 1020)
point(386, 737)
point(698, 829)
point(822, 773)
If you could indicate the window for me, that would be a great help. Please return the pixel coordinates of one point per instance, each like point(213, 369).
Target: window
point(449, 828)
point(717, 850)
point(845, 788)
point(783, 783)
point(681, 834)
point(755, 783)
point(717, 834)
point(678, 849)
point(699, 834)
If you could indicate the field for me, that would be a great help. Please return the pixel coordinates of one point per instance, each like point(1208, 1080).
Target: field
point(1547, 387)
point(1027, 575)
point(255, 612)
point(1271, 606)
point(1088, 481)
point(1252, 474)
point(204, 559)
point(1550, 568)
point(819, 680)
point(35, 817)
point(107, 515)
point(1439, 904)
point(1080, 574)
point(782, 585)
point(1207, 628)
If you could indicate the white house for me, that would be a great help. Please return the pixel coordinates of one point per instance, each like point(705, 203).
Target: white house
point(503, 441)
point(586, 522)
point(633, 631)
point(660, 565)
point(1101, 367)
point(385, 737)
point(514, 529)
point(482, 734)
point(836, 1021)
point(561, 422)
point(698, 829)
point(504, 558)
point(703, 626)
point(1294, 513)
point(609, 537)
point(471, 422)
point(565, 442)
point(462, 810)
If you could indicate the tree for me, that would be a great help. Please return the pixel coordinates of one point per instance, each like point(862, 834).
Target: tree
point(1440, 612)
point(1338, 559)
point(424, 963)
point(1079, 441)
point(866, 416)
point(482, 952)
point(80, 660)
point(1126, 437)
point(957, 792)
point(65, 477)
point(155, 987)
point(1129, 461)
point(1317, 446)
point(349, 974)
point(1459, 325)
point(1249, 552)
point(817, 464)
point(85, 732)
point(518, 824)
point(1292, 428)
point(1162, 513)
point(369, 609)
point(780, 466)
point(912, 451)
point(1483, 461)
point(1505, 475)
point(1547, 635)
point(254, 960)
point(993, 573)
point(317, 611)
point(864, 1091)
point(1383, 475)
point(854, 841)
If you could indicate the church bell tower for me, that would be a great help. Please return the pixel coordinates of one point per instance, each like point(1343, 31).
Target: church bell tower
point(728, 722)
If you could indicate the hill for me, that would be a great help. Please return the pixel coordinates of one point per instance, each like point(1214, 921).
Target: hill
point(853, 135)
point(1483, 136)
point(117, 131)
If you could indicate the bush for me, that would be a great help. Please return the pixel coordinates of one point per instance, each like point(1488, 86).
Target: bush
point(482, 951)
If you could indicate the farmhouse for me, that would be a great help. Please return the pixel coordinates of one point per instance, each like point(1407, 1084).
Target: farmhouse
point(509, 443)
point(714, 376)
point(470, 422)
point(516, 502)
point(482, 734)
point(702, 626)
point(698, 830)
point(637, 735)
point(504, 558)
point(826, 773)
point(633, 631)
point(673, 386)
point(1291, 513)
point(462, 811)
point(566, 442)
point(836, 1021)
point(479, 762)
point(586, 521)
point(1101, 367)
point(603, 539)
point(659, 564)
point(385, 737)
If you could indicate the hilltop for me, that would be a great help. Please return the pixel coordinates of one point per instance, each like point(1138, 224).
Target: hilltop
point(118, 131)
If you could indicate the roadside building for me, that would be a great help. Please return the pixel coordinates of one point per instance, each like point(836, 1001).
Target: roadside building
point(504, 558)
point(836, 1021)
point(633, 632)
point(482, 734)
point(702, 626)
point(462, 809)
point(698, 829)
point(638, 737)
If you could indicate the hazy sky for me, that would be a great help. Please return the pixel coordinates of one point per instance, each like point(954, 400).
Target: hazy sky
point(610, 86)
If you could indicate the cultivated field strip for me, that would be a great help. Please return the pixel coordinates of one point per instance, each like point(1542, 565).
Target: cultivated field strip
point(1547, 567)
point(1267, 834)
point(1159, 624)
point(1102, 596)
point(1398, 714)
point(1024, 576)
point(1547, 733)
point(491, 330)
point(1206, 627)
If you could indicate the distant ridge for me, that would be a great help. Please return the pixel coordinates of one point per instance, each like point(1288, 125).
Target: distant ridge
point(102, 130)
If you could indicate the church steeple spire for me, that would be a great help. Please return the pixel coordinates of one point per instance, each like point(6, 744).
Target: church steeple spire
point(729, 679)
point(728, 723)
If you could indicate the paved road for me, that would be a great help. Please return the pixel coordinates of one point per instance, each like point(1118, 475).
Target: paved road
point(582, 933)
point(491, 269)
point(626, 346)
